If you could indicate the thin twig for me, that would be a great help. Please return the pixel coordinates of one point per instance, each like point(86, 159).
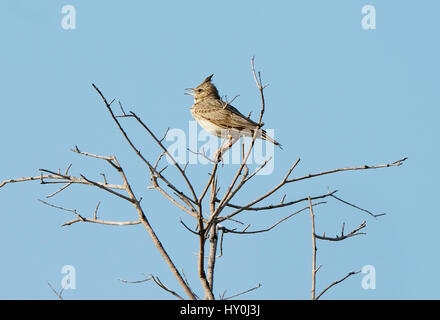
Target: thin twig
point(160, 284)
point(59, 190)
point(67, 169)
point(202, 154)
point(336, 282)
point(136, 281)
point(95, 213)
point(188, 228)
point(354, 206)
point(58, 294)
point(244, 292)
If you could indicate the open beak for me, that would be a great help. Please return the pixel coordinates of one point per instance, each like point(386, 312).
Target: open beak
point(190, 93)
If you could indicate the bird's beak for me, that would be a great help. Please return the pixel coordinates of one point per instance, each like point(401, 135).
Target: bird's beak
point(190, 93)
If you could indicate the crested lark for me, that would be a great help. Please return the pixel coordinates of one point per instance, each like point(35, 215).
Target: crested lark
point(220, 118)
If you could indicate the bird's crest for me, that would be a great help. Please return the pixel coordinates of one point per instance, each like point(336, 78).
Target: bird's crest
point(208, 79)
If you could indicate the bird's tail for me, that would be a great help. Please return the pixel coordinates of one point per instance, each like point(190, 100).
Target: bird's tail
point(266, 137)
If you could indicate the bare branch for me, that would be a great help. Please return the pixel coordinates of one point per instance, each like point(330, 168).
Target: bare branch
point(165, 135)
point(365, 167)
point(354, 206)
point(189, 211)
point(102, 186)
point(282, 204)
point(91, 155)
point(188, 228)
point(212, 176)
point(58, 294)
point(229, 102)
point(241, 293)
point(41, 177)
point(187, 282)
point(59, 207)
point(336, 282)
point(158, 159)
point(105, 222)
point(161, 285)
point(213, 239)
point(221, 242)
point(65, 179)
point(59, 190)
point(203, 154)
point(95, 213)
point(136, 281)
point(271, 227)
point(158, 175)
point(122, 109)
point(201, 264)
point(83, 219)
point(261, 88)
point(343, 236)
point(314, 270)
point(257, 170)
point(67, 169)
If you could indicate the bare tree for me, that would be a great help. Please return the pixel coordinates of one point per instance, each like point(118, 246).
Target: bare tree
point(208, 207)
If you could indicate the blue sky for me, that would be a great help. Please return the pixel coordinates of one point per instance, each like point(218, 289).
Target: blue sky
point(339, 96)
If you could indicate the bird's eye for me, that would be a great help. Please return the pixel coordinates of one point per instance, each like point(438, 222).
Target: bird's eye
point(199, 90)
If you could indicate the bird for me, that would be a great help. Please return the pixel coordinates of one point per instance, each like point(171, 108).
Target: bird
point(220, 118)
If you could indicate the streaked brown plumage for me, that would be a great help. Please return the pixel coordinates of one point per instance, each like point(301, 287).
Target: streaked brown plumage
point(220, 118)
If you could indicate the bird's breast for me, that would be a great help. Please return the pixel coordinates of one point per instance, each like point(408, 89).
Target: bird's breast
point(206, 124)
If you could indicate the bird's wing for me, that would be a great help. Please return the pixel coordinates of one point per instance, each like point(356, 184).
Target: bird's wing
point(224, 115)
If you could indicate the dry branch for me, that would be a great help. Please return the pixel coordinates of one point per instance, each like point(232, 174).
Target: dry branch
point(314, 249)
point(222, 297)
point(354, 232)
point(336, 282)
